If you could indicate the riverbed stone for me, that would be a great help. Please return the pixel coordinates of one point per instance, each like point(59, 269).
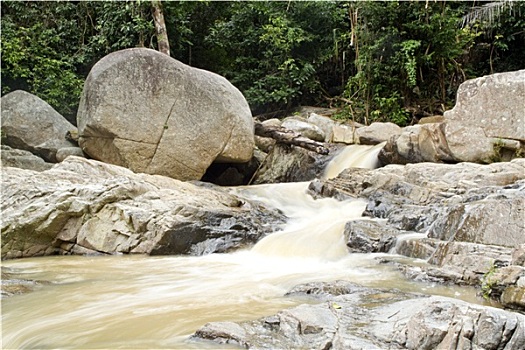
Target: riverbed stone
point(65, 152)
point(148, 112)
point(356, 317)
point(287, 163)
point(415, 144)
point(369, 236)
point(83, 205)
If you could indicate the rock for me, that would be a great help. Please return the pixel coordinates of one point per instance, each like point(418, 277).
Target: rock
point(518, 255)
point(416, 246)
point(483, 221)
point(356, 317)
point(65, 152)
point(85, 206)
point(334, 131)
point(468, 217)
point(287, 163)
point(432, 119)
point(514, 297)
point(344, 133)
point(272, 122)
point(23, 159)
point(377, 133)
point(488, 110)
point(30, 124)
point(266, 144)
point(415, 144)
point(234, 174)
point(367, 236)
point(145, 111)
point(306, 129)
point(324, 123)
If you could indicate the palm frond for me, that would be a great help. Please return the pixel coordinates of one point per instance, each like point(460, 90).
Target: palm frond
point(486, 14)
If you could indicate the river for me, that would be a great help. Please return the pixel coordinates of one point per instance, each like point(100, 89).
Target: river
point(110, 302)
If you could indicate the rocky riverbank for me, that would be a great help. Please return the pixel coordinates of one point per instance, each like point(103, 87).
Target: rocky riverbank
point(348, 316)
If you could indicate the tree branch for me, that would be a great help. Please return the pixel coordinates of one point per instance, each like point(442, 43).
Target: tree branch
point(289, 137)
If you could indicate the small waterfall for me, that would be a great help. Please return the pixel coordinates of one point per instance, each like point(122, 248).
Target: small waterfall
point(353, 156)
point(315, 227)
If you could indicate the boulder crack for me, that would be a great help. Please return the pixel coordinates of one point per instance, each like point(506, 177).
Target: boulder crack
point(164, 128)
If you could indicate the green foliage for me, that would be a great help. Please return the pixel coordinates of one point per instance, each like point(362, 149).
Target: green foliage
point(276, 49)
point(48, 47)
point(487, 283)
point(32, 57)
point(387, 61)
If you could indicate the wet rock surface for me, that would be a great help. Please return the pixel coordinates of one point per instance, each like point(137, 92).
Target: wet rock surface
point(349, 316)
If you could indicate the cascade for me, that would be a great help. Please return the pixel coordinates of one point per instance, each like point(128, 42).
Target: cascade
point(157, 302)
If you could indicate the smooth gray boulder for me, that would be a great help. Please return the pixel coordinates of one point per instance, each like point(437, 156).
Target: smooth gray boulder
point(83, 206)
point(488, 118)
point(65, 152)
point(377, 132)
point(150, 113)
point(311, 131)
point(30, 124)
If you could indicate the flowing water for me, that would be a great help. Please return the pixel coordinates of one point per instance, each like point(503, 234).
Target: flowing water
point(158, 302)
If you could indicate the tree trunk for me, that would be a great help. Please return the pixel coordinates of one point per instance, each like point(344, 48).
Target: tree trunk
point(290, 137)
point(160, 27)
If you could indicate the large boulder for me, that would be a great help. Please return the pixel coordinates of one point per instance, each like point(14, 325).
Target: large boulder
point(146, 111)
point(29, 123)
point(287, 163)
point(488, 119)
point(85, 206)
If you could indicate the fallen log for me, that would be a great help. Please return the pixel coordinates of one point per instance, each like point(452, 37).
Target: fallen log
point(289, 137)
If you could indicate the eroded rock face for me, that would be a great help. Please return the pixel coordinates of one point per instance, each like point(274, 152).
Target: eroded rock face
point(415, 144)
point(145, 111)
point(30, 124)
point(354, 317)
point(467, 220)
point(84, 206)
point(287, 163)
point(488, 114)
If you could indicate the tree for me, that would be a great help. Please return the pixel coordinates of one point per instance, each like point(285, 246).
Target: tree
point(160, 27)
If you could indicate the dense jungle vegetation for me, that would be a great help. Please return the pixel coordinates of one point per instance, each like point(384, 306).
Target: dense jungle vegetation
point(376, 61)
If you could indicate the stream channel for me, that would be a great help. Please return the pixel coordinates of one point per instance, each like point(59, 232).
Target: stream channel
point(87, 302)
